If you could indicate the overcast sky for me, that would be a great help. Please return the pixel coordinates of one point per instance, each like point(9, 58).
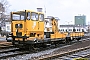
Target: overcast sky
point(64, 9)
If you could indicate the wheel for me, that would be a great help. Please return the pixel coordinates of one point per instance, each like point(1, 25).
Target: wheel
point(67, 40)
point(13, 41)
point(78, 38)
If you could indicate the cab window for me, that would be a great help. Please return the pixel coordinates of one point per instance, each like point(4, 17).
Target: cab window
point(41, 17)
point(28, 15)
point(18, 16)
point(34, 16)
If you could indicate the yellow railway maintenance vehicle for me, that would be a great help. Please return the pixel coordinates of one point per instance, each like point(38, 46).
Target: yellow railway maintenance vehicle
point(27, 26)
point(30, 28)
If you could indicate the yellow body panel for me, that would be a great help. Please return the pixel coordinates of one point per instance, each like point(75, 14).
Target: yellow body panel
point(66, 33)
point(58, 35)
point(35, 27)
point(20, 39)
point(41, 26)
point(54, 25)
point(32, 25)
point(77, 34)
point(20, 29)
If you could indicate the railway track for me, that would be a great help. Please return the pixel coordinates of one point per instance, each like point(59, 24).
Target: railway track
point(14, 53)
point(4, 45)
point(81, 54)
point(11, 52)
point(8, 50)
point(57, 56)
point(80, 46)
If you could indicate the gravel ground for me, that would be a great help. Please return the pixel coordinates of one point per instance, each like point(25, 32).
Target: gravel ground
point(75, 46)
point(76, 55)
point(72, 47)
point(26, 56)
point(32, 56)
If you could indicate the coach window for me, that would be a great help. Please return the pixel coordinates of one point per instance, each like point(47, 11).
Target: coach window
point(41, 17)
point(28, 15)
point(34, 16)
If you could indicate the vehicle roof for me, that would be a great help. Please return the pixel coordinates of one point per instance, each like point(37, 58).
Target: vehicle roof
point(28, 11)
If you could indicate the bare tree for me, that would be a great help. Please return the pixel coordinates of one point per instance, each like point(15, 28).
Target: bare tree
point(4, 5)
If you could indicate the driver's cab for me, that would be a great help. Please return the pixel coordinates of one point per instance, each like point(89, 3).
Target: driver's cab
point(29, 23)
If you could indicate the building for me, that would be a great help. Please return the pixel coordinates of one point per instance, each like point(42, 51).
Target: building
point(70, 28)
point(80, 20)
